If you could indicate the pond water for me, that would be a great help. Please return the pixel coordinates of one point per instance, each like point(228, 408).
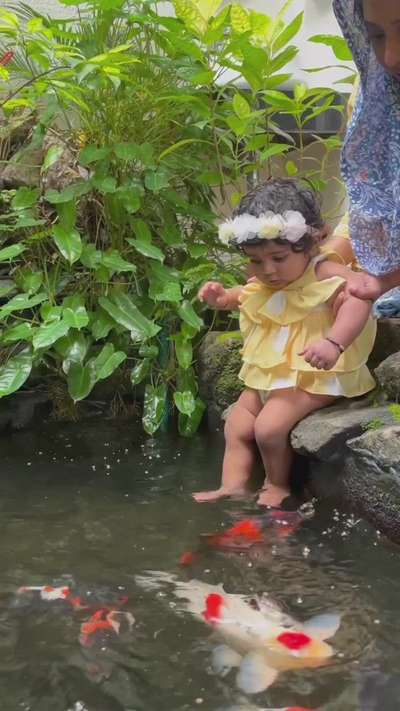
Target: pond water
point(92, 505)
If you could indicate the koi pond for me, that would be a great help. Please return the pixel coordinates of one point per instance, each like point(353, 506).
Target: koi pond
point(87, 509)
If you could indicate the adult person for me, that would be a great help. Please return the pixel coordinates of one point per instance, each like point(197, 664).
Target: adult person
point(371, 153)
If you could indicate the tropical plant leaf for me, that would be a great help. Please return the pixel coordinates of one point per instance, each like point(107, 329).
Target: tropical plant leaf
point(154, 407)
point(15, 372)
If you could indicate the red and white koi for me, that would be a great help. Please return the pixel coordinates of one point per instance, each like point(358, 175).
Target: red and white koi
point(50, 593)
point(262, 641)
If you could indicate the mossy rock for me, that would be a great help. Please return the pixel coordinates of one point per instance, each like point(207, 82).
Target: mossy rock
point(218, 368)
point(372, 479)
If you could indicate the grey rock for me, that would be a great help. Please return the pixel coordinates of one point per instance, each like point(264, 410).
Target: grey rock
point(387, 340)
point(64, 171)
point(388, 376)
point(23, 169)
point(324, 434)
point(372, 479)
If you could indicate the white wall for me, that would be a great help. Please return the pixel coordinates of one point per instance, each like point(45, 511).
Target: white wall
point(319, 19)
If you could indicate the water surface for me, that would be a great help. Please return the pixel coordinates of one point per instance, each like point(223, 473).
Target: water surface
point(91, 505)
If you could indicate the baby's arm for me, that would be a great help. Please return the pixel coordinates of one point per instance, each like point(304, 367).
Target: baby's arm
point(216, 296)
point(350, 320)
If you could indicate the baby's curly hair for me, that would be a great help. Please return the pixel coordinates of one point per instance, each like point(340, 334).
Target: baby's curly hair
point(281, 194)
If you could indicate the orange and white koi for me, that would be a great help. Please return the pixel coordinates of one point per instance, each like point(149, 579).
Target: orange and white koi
point(103, 620)
point(257, 530)
point(262, 641)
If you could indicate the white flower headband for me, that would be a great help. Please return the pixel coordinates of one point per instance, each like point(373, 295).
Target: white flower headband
point(244, 228)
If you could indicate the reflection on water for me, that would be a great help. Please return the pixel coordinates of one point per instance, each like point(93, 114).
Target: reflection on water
point(92, 506)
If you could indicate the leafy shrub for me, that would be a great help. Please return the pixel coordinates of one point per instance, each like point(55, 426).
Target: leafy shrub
point(162, 119)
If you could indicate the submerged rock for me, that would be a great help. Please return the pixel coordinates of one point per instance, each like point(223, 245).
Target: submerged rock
point(372, 479)
point(20, 409)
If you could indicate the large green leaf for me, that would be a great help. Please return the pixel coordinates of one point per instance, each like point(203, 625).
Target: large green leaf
point(183, 350)
point(73, 349)
point(185, 402)
point(90, 256)
point(146, 248)
point(154, 407)
point(74, 312)
point(10, 252)
point(124, 311)
point(164, 283)
point(22, 302)
point(25, 198)
point(101, 324)
point(68, 242)
point(289, 31)
point(338, 45)
point(81, 380)
point(189, 424)
point(116, 263)
point(241, 107)
point(29, 280)
point(15, 372)
point(48, 334)
point(72, 192)
point(107, 361)
point(189, 315)
point(21, 332)
point(140, 371)
point(92, 154)
point(51, 157)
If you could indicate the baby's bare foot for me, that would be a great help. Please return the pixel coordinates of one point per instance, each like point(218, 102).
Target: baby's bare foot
point(203, 497)
point(272, 495)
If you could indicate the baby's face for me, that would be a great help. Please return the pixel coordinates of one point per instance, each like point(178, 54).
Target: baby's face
point(276, 265)
point(382, 18)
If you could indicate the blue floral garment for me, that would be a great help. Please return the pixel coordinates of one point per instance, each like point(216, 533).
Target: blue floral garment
point(371, 153)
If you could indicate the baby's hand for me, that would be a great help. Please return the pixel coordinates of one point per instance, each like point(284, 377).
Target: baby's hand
point(214, 294)
point(321, 354)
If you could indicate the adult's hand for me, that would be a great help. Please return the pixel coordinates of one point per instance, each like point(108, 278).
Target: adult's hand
point(364, 286)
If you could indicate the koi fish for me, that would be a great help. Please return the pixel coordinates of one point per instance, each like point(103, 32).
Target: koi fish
point(261, 641)
point(49, 593)
point(103, 620)
point(249, 532)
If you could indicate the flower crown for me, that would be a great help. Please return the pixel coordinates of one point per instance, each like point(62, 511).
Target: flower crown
point(270, 225)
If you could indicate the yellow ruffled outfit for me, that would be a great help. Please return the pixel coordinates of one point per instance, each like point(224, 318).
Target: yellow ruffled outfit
point(278, 325)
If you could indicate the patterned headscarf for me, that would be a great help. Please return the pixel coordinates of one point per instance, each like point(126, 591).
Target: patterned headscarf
point(371, 153)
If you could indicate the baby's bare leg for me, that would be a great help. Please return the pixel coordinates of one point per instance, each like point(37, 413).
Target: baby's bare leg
point(240, 448)
point(282, 411)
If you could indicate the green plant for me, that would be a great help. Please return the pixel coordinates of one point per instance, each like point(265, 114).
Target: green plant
point(395, 412)
point(104, 271)
point(375, 424)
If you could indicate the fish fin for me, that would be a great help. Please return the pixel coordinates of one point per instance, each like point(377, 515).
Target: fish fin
point(254, 674)
point(224, 659)
point(322, 626)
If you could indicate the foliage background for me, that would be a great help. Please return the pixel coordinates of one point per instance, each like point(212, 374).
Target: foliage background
point(137, 138)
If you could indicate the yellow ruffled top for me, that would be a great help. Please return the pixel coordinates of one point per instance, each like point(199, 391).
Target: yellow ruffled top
point(278, 325)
